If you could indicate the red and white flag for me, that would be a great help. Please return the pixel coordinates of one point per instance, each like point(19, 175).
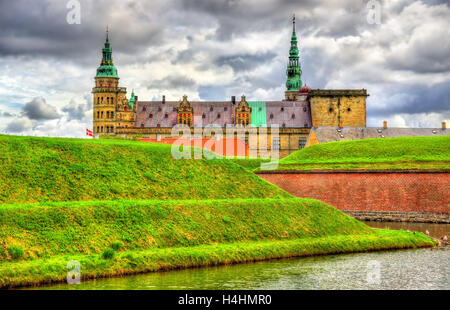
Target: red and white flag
point(89, 133)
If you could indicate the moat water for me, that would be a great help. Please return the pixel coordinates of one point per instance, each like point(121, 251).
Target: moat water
point(401, 269)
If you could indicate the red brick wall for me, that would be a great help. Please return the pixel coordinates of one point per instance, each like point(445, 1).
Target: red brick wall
point(370, 191)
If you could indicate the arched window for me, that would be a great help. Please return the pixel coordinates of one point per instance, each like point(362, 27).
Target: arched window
point(112, 100)
point(98, 100)
point(150, 116)
point(98, 116)
point(166, 115)
point(107, 113)
point(271, 116)
point(107, 100)
point(112, 114)
point(102, 114)
point(218, 115)
point(203, 115)
point(293, 116)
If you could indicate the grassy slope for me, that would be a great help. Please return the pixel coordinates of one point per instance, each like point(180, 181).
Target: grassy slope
point(173, 234)
point(50, 169)
point(256, 221)
point(387, 153)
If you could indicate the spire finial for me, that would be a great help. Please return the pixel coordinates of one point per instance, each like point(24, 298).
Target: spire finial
point(293, 19)
point(107, 33)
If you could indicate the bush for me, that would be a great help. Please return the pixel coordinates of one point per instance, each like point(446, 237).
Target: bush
point(108, 254)
point(116, 245)
point(226, 219)
point(15, 251)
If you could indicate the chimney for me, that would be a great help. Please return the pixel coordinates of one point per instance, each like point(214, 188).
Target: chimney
point(385, 124)
point(444, 125)
point(233, 99)
point(164, 99)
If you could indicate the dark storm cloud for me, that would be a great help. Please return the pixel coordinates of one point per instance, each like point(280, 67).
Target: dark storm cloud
point(174, 82)
point(38, 109)
point(6, 114)
point(413, 99)
point(246, 61)
point(19, 125)
point(75, 111)
point(40, 29)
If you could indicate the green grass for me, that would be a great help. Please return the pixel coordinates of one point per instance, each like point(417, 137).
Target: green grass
point(121, 207)
point(54, 269)
point(49, 229)
point(57, 169)
point(387, 153)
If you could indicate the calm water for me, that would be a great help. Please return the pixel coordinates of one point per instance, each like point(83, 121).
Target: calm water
point(405, 269)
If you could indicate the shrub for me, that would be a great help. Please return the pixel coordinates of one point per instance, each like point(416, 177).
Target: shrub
point(226, 219)
point(116, 245)
point(108, 254)
point(15, 251)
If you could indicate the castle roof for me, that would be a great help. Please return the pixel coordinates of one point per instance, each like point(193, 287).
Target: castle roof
point(264, 113)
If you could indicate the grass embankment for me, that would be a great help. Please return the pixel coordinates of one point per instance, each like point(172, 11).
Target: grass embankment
point(184, 213)
point(143, 236)
point(56, 169)
point(386, 153)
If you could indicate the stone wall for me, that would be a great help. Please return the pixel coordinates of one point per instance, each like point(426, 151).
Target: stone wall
point(407, 195)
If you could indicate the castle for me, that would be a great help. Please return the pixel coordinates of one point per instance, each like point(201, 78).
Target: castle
point(297, 114)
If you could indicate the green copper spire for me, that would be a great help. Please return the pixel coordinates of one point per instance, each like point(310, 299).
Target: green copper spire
point(107, 68)
point(132, 100)
point(293, 71)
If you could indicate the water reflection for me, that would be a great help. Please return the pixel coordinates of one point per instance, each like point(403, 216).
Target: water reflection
point(406, 269)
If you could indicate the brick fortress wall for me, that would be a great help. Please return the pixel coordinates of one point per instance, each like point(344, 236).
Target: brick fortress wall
point(374, 195)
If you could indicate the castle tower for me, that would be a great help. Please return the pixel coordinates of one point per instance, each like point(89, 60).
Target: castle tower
point(293, 71)
point(108, 96)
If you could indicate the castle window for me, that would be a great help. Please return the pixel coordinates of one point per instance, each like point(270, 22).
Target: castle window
point(203, 115)
point(107, 114)
point(142, 125)
point(159, 109)
point(301, 143)
point(112, 114)
point(112, 129)
point(225, 108)
point(218, 115)
point(98, 129)
point(271, 116)
point(102, 100)
point(330, 110)
point(293, 116)
point(349, 110)
point(102, 114)
point(112, 100)
point(107, 100)
point(166, 115)
point(211, 109)
point(282, 109)
point(98, 116)
point(150, 116)
point(101, 129)
point(144, 109)
point(276, 144)
point(98, 100)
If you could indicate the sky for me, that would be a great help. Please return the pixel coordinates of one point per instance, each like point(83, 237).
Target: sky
point(399, 50)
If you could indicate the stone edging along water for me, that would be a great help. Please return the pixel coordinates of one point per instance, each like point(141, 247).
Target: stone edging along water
point(54, 269)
